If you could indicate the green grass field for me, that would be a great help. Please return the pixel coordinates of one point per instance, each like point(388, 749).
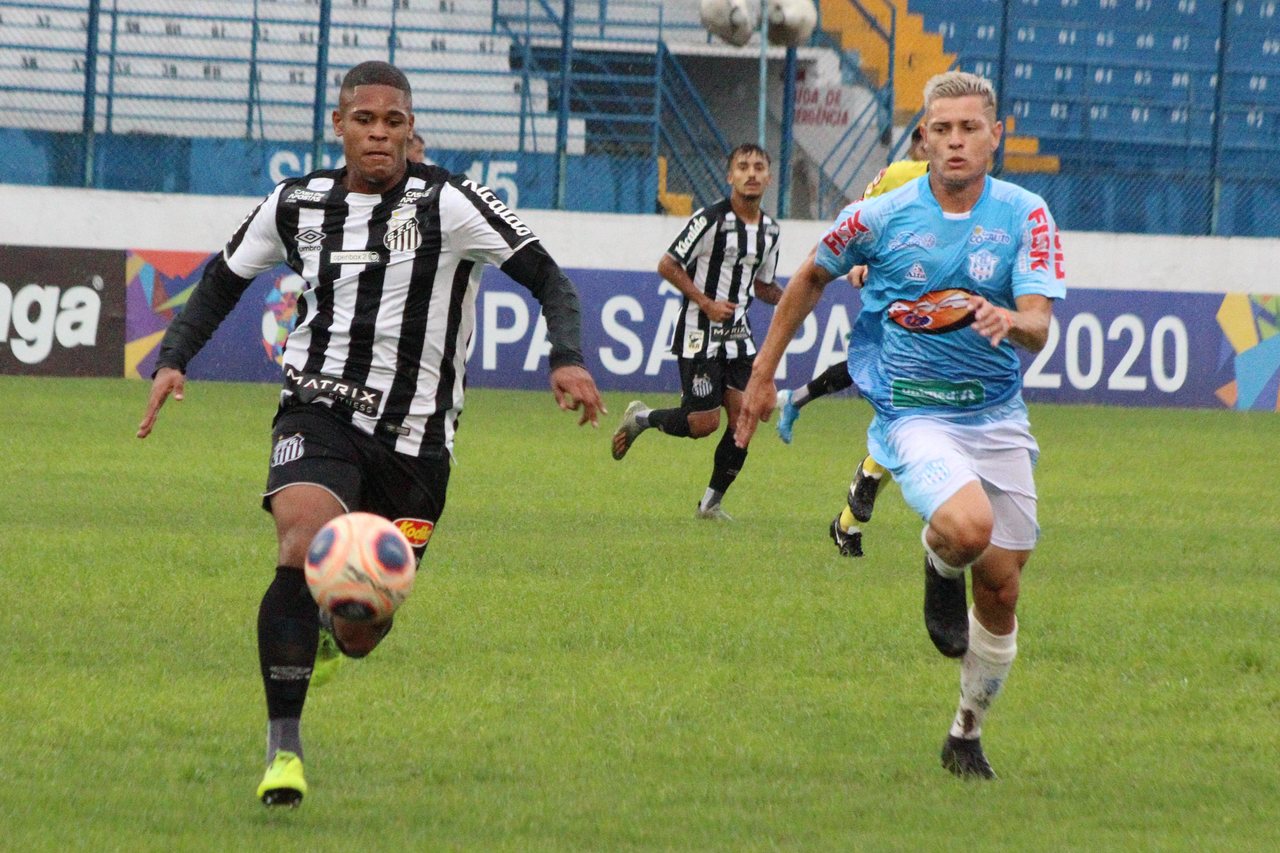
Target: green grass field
point(584, 666)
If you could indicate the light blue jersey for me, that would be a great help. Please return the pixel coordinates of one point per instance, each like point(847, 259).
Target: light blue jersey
point(913, 351)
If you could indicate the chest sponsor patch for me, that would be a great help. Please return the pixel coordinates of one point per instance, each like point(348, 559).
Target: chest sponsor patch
point(935, 313)
point(344, 392)
point(353, 257)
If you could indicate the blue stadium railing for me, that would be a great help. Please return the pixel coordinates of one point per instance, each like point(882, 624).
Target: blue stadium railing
point(1154, 128)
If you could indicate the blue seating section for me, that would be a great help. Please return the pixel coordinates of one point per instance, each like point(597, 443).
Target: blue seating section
point(1129, 84)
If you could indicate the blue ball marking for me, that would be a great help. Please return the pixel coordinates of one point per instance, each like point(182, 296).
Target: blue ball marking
point(321, 545)
point(392, 553)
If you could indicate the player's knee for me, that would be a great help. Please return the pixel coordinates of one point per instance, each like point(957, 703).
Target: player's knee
point(703, 424)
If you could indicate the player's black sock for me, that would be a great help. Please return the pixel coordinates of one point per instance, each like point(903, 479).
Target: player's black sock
point(671, 421)
point(834, 378)
point(288, 632)
point(729, 460)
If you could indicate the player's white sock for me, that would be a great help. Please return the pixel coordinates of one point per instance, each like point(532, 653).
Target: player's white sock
point(983, 671)
point(940, 565)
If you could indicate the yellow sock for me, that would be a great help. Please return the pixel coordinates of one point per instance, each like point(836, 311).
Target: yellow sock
point(847, 521)
point(872, 468)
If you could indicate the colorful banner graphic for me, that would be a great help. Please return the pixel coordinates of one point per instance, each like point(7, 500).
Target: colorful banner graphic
point(69, 312)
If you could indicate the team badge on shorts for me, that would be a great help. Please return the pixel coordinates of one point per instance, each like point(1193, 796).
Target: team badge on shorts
point(286, 450)
point(416, 530)
point(701, 385)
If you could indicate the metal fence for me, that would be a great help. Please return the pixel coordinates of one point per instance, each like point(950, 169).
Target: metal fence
point(1158, 116)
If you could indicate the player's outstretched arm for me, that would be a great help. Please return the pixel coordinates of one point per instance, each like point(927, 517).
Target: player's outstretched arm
point(575, 389)
point(798, 300)
point(168, 381)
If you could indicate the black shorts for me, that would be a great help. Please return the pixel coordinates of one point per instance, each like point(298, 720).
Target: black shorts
point(703, 381)
point(312, 445)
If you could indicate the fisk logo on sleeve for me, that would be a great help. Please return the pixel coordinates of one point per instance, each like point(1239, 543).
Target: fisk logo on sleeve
point(1044, 242)
point(850, 230)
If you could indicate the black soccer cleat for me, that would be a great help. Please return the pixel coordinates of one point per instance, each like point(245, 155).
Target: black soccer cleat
point(946, 612)
point(850, 543)
point(862, 493)
point(965, 759)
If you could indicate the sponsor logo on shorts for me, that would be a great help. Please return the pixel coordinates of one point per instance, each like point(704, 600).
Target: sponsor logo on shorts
point(916, 273)
point(286, 451)
point(701, 385)
point(416, 530)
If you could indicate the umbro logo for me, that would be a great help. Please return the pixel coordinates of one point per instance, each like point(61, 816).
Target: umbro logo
point(309, 236)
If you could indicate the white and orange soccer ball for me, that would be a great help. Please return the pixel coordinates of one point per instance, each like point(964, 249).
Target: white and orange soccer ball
point(360, 567)
point(791, 22)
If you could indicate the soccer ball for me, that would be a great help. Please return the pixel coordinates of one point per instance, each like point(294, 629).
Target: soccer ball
point(360, 567)
point(732, 20)
point(791, 22)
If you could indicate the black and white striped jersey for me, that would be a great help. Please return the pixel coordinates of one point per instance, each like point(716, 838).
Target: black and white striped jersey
point(724, 256)
point(389, 305)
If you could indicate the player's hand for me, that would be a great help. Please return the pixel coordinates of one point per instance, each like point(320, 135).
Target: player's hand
point(719, 310)
point(991, 321)
point(758, 402)
point(858, 276)
point(575, 389)
point(168, 381)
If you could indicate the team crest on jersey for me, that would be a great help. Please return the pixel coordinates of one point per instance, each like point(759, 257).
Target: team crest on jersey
point(982, 265)
point(402, 231)
point(309, 240)
point(916, 273)
point(693, 341)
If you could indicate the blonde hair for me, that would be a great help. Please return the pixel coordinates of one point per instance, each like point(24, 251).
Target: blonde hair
point(959, 84)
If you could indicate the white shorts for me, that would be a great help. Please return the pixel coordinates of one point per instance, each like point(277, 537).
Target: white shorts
point(932, 458)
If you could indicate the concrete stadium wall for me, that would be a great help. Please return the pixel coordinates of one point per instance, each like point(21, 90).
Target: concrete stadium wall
point(1149, 320)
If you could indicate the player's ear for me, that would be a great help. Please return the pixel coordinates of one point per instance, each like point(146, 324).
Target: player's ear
point(337, 122)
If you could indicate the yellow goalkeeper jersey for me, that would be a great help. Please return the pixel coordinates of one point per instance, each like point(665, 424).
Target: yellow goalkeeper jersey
point(895, 175)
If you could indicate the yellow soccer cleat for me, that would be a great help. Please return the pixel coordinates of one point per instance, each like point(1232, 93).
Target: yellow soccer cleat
point(328, 659)
point(283, 784)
